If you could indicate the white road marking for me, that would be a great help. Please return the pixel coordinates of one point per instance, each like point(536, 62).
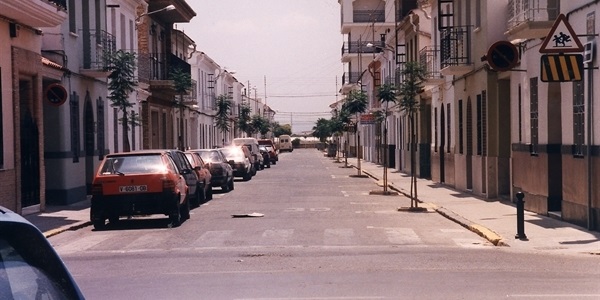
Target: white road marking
point(278, 236)
point(402, 236)
point(338, 236)
point(213, 238)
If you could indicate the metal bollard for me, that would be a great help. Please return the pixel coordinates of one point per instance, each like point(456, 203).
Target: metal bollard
point(520, 217)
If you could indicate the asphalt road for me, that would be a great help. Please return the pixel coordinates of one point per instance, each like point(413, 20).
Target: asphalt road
point(321, 236)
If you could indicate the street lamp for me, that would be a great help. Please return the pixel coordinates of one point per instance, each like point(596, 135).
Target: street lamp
point(166, 8)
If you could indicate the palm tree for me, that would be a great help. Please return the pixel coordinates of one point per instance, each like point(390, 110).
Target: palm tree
point(182, 82)
point(121, 84)
point(244, 121)
point(222, 116)
point(410, 88)
point(356, 103)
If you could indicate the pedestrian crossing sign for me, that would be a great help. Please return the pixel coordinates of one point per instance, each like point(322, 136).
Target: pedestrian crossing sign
point(561, 38)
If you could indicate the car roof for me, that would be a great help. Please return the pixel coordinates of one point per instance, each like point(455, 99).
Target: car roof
point(7, 215)
point(143, 152)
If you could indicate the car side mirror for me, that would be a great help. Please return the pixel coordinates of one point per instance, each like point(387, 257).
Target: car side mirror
point(231, 162)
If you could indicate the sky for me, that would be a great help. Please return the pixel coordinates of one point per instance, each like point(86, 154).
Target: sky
point(294, 46)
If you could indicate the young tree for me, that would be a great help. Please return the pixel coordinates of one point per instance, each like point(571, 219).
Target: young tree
point(182, 82)
point(414, 74)
point(121, 84)
point(322, 129)
point(386, 94)
point(260, 124)
point(223, 112)
point(356, 103)
point(244, 121)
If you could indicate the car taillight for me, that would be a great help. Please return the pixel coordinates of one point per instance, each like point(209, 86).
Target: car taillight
point(168, 184)
point(97, 189)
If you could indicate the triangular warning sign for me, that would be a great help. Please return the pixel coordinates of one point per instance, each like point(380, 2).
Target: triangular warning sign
point(561, 38)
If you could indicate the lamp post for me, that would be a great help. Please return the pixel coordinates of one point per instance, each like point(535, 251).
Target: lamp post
point(166, 8)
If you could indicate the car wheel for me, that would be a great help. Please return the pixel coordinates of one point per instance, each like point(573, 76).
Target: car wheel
point(113, 220)
point(225, 187)
point(209, 193)
point(274, 162)
point(185, 210)
point(99, 224)
point(199, 197)
point(175, 216)
point(247, 176)
point(231, 187)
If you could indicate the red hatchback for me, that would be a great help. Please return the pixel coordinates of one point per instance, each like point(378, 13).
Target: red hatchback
point(141, 183)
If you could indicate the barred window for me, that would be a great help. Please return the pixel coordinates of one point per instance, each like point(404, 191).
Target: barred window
point(435, 129)
point(75, 130)
point(533, 115)
point(1, 129)
point(460, 127)
point(100, 127)
point(448, 132)
point(578, 118)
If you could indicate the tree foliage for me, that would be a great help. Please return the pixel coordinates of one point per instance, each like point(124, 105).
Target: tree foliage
point(122, 66)
point(244, 120)
point(222, 117)
point(260, 124)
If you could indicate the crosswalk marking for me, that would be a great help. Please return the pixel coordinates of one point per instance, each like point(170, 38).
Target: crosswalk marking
point(402, 236)
point(213, 238)
point(277, 237)
point(338, 236)
point(85, 242)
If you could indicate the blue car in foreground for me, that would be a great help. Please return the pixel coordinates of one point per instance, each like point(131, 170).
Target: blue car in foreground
point(29, 266)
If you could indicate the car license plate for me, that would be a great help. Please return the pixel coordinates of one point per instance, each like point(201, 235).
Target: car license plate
point(133, 188)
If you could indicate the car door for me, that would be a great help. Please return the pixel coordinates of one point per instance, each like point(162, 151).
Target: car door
point(186, 170)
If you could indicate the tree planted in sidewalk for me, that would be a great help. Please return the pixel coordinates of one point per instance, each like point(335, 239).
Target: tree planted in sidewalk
point(122, 66)
point(222, 117)
point(182, 83)
point(410, 88)
point(356, 104)
point(386, 94)
point(244, 119)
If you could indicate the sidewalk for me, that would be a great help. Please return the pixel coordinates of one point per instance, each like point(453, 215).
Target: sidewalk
point(495, 220)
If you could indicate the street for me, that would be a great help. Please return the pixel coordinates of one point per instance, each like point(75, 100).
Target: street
point(321, 236)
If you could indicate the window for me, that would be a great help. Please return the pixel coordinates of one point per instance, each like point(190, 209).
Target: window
point(74, 106)
point(479, 144)
point(116, 128)
point(469, 127)
point(533, 114)
point(482, 123)
point(460, 127)
point(100, 127)
point(72, 17)
point(435, 129)
point(578, 118)
point(448, 132)
point(478, 13)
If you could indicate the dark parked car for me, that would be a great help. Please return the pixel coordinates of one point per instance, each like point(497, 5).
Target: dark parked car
point(273, 153)
point(266, 156)
point(204, 177)
point(143, 183)
point(222, 174)
point(239, 159)
point(29, 266)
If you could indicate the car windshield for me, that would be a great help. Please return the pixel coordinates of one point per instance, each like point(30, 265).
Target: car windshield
point(233, 153)
point(138, 164)
point(210, 156)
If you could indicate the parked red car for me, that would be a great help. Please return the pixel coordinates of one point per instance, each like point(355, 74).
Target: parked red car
point(202, 169)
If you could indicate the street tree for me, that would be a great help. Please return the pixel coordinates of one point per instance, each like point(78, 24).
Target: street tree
point(322, 129)
point(260, 124)
point(182, 83)
point(244, 120)
point(279, 129)
point(410, 88)
point(222, 117)
point(356, 104)
point(386, 94)
point(121, 84)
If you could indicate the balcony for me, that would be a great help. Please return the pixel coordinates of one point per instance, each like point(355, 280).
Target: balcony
point(36, 13)
point(356, 47)
point(349, 80)
point(530, 19)
point(428, 58)
point(364, 18)
point(155, 68)
point(98, 47)
point(455, 50)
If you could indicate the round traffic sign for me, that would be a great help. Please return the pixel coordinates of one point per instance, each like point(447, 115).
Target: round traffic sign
point(55, 94)
point(502, 56)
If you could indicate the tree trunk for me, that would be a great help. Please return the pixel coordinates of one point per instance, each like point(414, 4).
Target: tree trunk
point(125, 124)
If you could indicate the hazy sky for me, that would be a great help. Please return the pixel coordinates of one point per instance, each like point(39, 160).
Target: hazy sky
point(296, 44)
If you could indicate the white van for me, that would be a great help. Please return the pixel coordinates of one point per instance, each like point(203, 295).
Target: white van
point(285, 143)
point(252, 144)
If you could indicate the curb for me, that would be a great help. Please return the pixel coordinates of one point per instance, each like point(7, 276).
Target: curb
point(482, 231)
point(73, 226)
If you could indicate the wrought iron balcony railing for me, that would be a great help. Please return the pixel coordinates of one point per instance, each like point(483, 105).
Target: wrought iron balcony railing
point(428, 60)
point(455, 46)
point(98, 47)
point(521, 11)
point(362, 47)
point(350, 77)
point(191, 97)
point(62, 4)
point(368, 16)
point(158, 66)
